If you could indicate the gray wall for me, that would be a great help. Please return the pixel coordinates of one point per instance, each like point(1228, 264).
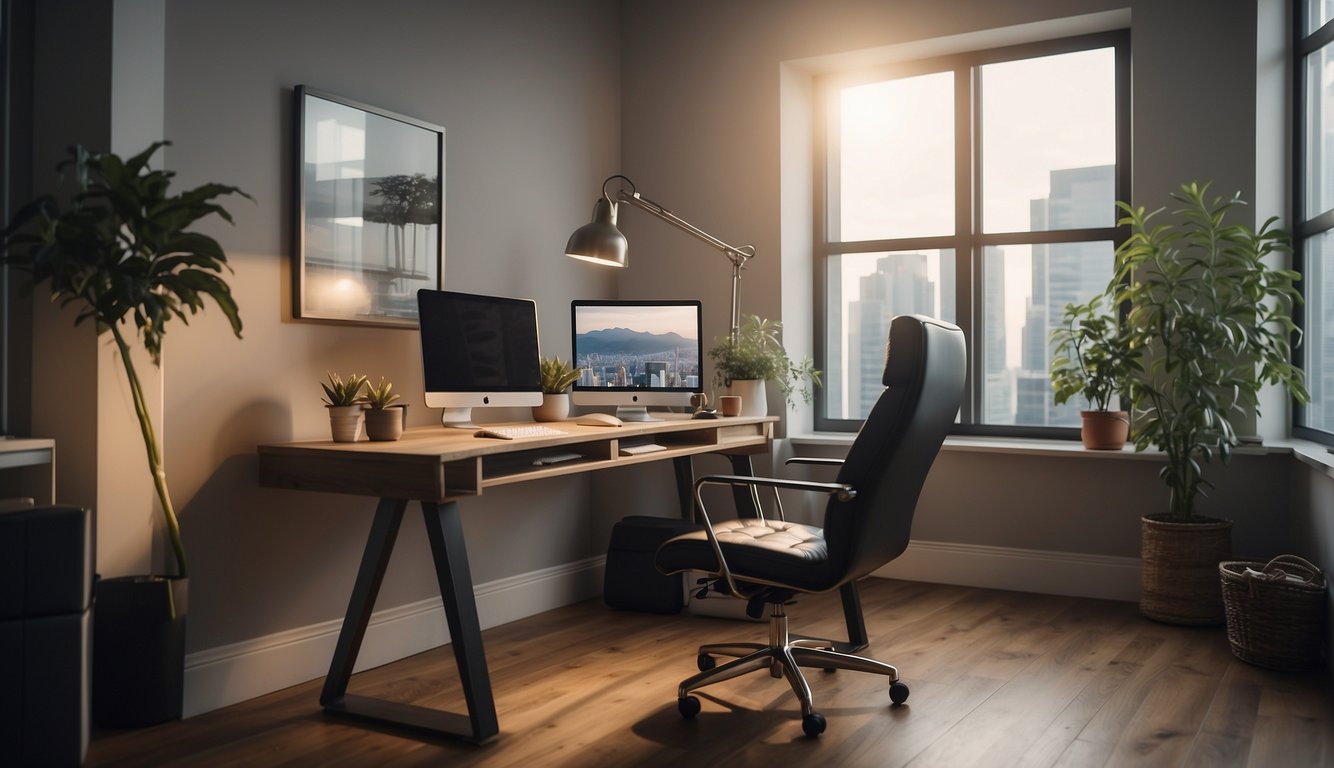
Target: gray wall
point(532, 123)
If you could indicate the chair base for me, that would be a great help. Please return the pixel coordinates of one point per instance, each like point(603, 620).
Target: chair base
point(783, 656)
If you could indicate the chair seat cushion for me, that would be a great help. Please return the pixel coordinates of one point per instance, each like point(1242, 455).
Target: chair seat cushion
point(767, 549)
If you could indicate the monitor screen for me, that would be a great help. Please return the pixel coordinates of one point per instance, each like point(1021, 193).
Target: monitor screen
point(478, 351)
point(633, 354)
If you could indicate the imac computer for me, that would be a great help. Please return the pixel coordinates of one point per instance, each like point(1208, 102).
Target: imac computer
point(477, 351)
point(633, 354)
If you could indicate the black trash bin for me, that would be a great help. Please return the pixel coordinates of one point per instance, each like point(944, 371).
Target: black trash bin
point(632, 583)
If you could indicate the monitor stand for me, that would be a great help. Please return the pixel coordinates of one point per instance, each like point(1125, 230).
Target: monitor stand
point(633, 413)
point(457, 418)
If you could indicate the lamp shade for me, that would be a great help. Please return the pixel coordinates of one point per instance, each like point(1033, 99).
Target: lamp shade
point(599, 241)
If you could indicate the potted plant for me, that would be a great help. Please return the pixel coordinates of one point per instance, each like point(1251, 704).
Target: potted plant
point(754, 354)
point(384, 421)
point(1214, 323)
point(343, 398)
point(557, 376)
point(1092, 357)
point(120, 251)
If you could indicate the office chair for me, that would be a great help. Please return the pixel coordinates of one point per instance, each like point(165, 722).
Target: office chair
point(866, 524)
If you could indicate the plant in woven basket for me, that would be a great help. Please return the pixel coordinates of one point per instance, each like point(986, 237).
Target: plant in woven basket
point(1214, 323)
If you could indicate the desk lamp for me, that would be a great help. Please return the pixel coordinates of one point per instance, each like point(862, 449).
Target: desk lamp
point(601, 242)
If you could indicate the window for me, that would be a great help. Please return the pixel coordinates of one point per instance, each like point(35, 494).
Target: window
point(979, 189)
point(1313, 244)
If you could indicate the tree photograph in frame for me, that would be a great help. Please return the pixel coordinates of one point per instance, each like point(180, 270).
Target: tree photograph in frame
point(369, 202)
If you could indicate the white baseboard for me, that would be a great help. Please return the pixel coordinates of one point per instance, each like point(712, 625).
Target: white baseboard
point(221, 676)
point(1021, 570)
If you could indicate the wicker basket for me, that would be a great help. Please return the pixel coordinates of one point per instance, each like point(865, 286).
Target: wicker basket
point(1179, 569)
point(1275, 611)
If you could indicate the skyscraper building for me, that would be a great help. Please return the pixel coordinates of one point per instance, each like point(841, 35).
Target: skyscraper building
point(899, 285)
point(1062, 273)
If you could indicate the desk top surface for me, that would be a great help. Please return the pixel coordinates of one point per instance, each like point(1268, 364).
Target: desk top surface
point(448, 444)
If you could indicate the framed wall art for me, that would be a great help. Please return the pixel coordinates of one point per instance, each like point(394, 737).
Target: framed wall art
point(369, 228)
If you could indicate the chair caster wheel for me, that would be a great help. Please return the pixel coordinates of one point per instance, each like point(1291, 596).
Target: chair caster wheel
point(898, 692)
point(705, 662)
point(813, 724)
point(688, 706)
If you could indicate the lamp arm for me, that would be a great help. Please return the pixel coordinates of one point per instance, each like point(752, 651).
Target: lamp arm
point(738, 255)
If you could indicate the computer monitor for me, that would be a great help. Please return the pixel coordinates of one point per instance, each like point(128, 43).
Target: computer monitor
point(633, 354)
point(478, 351)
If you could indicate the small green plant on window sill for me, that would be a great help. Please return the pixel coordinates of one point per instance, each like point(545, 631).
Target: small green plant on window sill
point(1092, 355)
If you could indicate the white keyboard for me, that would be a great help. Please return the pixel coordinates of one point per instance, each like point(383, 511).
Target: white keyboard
point(523, 430)
point(635, 450)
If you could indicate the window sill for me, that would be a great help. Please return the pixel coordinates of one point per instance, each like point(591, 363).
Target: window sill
point(1310, 453)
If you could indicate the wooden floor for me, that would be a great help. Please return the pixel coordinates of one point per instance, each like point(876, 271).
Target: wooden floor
point(997, 678)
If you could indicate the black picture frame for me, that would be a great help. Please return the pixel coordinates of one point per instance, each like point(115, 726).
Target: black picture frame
point(369, 211)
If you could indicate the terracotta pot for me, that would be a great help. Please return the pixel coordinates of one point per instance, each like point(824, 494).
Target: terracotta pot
point(1104, 430)
point(386, 423)
point(345, 422)
point(553, 408)
point(1179, 569)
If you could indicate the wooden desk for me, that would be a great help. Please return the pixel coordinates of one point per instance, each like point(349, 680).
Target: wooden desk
point(437, 467)
point(35, 462)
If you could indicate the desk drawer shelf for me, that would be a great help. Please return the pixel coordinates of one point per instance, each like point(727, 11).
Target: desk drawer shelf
point(437, 464)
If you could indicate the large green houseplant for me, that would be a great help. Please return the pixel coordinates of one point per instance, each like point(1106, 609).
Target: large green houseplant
point(1093, 358)
point(755, 353)
point(1213, 320)
point(120, 253)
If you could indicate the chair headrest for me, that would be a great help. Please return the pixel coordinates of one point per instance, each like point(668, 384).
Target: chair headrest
point(905, 346)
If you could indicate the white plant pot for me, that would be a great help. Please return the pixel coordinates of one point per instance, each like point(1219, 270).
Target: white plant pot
point(754, 401)
point(553, 408)
point(345, 421)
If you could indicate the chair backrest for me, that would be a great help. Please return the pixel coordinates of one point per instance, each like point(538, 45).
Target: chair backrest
point(925, 366)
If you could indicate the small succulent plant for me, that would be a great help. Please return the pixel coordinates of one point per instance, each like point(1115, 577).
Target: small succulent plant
point(557, 375)
point(381, 395)
point(340, 391)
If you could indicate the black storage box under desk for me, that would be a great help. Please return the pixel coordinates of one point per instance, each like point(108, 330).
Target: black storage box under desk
point(632, 582)
point(47, 558)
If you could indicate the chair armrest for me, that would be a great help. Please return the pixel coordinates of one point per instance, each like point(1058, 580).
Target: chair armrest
point(843, 491)
point(816, 461)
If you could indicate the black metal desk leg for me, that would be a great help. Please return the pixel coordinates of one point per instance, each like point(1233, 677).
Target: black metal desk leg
point(445, 531)
point(379, 545)
point(685, 486)
point(446, 535)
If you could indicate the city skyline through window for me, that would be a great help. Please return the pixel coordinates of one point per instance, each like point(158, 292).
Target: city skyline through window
point(1030, 221)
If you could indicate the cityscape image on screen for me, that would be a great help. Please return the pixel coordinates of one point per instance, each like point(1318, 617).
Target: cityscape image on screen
point(648, 345)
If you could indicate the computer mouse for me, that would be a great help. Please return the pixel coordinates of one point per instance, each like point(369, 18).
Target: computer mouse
point(598, 420)
point(705, 413)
